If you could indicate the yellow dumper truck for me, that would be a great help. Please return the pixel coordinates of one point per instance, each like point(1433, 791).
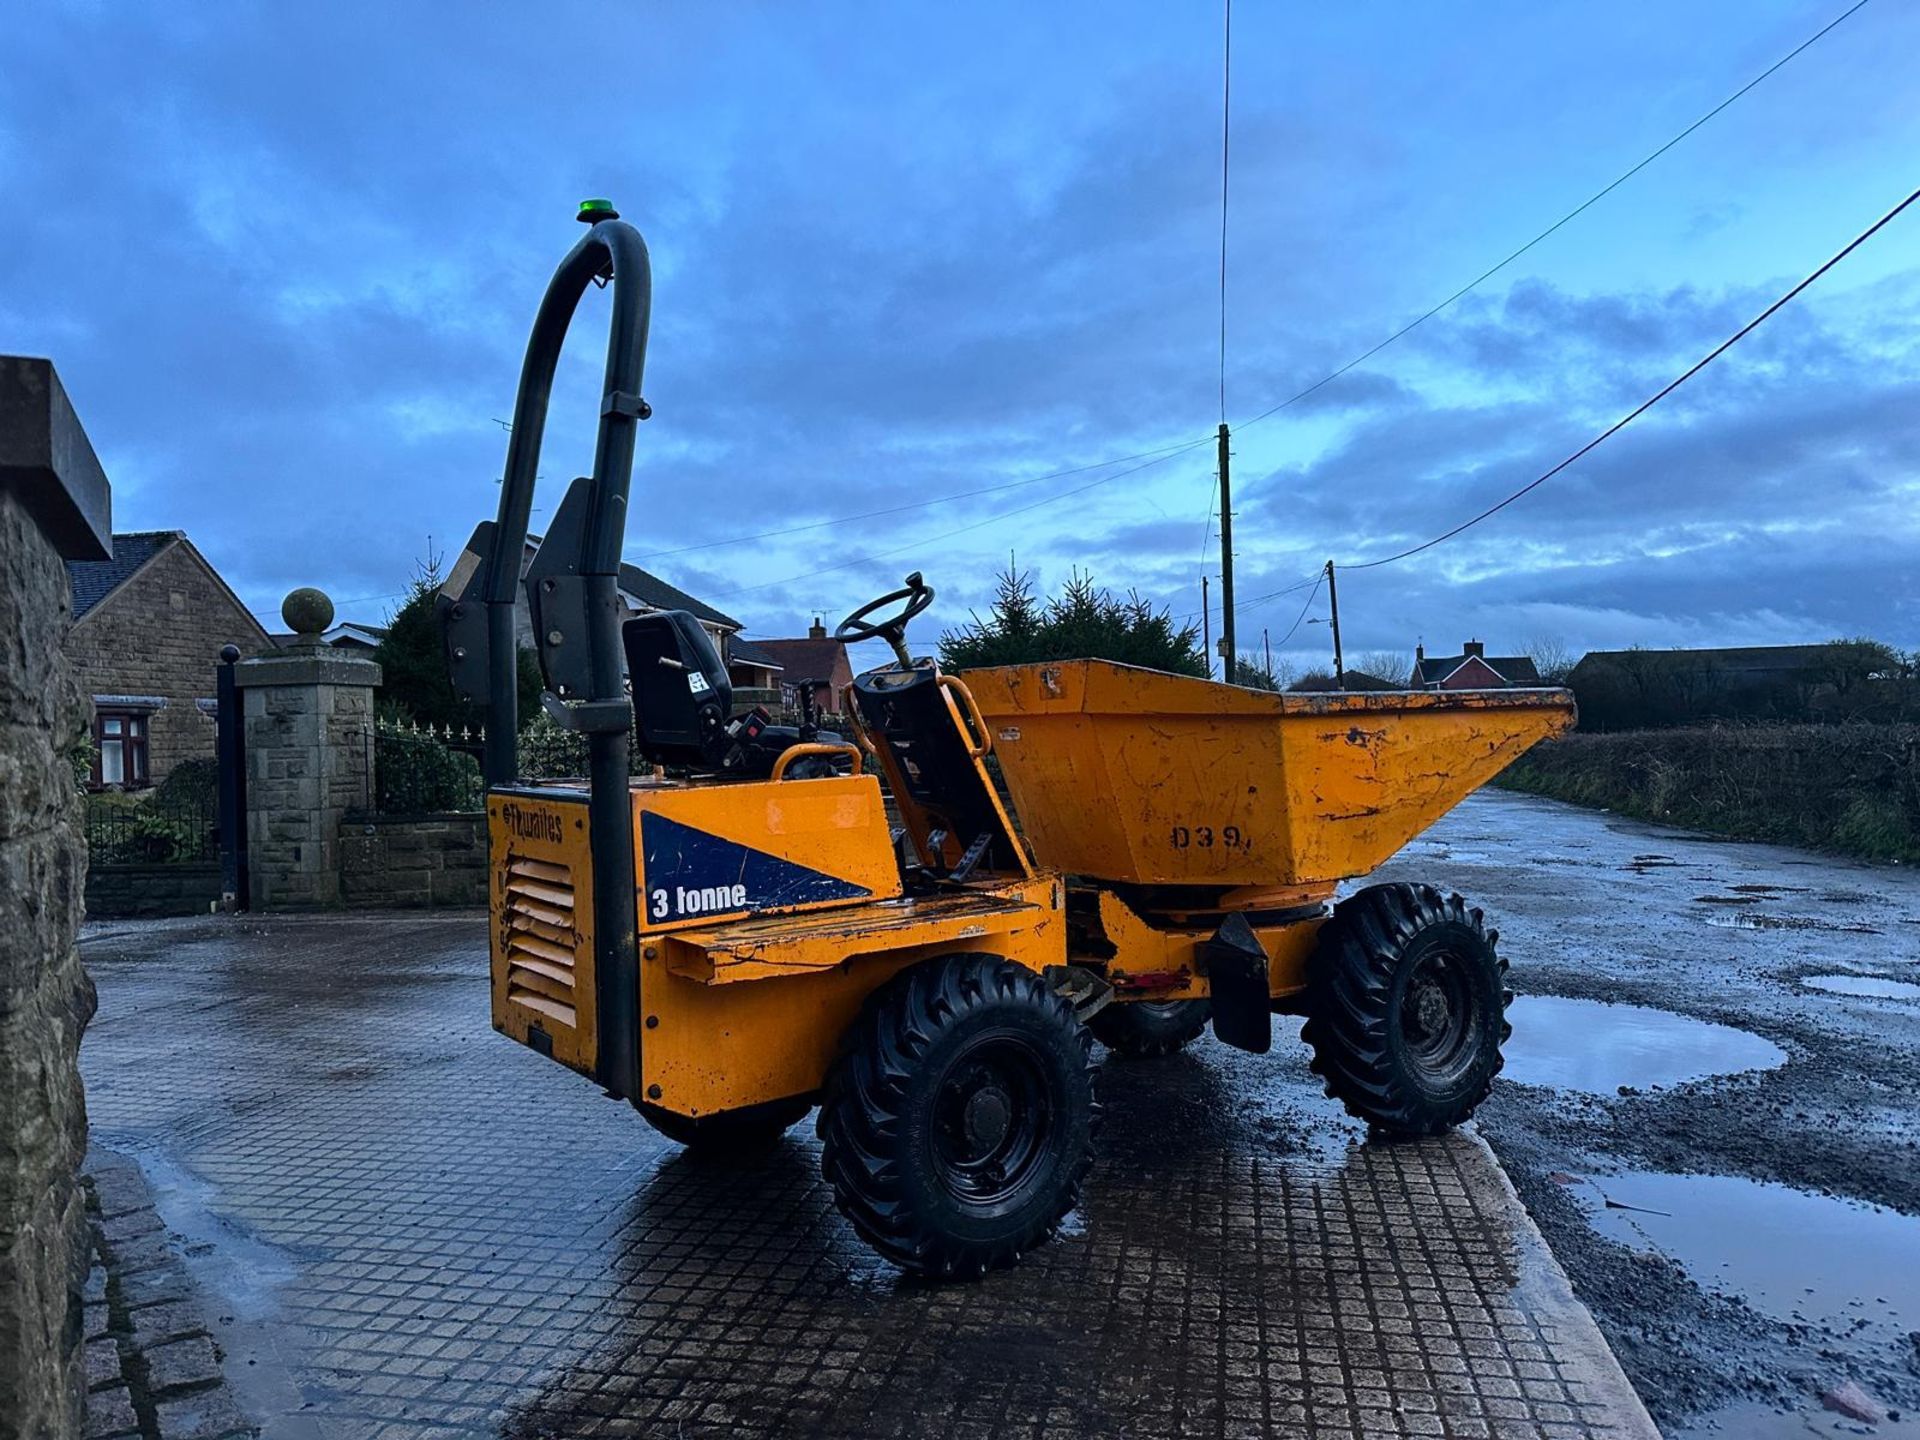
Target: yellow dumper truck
point(746, 932)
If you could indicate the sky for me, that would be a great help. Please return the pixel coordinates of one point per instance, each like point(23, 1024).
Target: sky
point(285, 260)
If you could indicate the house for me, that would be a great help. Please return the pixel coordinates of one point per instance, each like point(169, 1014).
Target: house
point(348, 635)
point(1471, 669)
point(1733, 666)
point(814, 656)
point(1631, 689)
point(148, 627)
point(640, 592)
point(754, 672)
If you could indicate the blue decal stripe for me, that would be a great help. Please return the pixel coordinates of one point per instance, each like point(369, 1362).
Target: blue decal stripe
point(691, 872)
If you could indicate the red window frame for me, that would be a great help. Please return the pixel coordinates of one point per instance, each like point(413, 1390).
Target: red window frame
point(124, 734)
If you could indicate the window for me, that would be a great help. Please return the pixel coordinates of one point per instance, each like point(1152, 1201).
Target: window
point(120, 737)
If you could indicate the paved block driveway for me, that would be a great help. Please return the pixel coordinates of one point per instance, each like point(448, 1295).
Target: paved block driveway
point(405, 1226)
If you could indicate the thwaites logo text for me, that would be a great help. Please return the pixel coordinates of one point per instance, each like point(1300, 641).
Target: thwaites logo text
point(531, 823)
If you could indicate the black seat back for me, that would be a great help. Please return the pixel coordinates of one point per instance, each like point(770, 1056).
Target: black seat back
point(682, 697)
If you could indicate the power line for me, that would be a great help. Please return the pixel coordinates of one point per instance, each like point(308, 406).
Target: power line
point(1153, 457)
point(1292, 589)
point(1654, 399)
point(1583, 206)
point(1325, 380)
point(1301, 617)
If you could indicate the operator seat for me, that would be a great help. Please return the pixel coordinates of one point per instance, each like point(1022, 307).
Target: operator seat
point(682, 697)
point(906, 711)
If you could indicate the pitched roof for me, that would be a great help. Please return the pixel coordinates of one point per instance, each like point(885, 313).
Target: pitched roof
point(808, 659)
point(652, 590)
point(643, 585)
point(1514, 669)
point(748, 652)
point(94, 580)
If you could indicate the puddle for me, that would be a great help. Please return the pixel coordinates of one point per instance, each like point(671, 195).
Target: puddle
point(1749, 1420)
point(1840, 1263)
point(1644, 863)
point(1743, 920)
point(1446, 850)
point(1726, 899)
point(1871, 985)
point(1596, 1047)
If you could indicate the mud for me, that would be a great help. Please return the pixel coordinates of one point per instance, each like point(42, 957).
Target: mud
point(1773, 1250)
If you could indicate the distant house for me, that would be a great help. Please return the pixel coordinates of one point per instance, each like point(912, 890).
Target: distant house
point(814, 656)
point(754, 672)
point(640, 592)
point(1631, 689)
point(348, 635)
point(148, 627)
point(1739, 665)
point(1471, 669)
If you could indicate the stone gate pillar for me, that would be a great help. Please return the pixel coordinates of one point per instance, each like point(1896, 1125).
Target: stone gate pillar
point(307, 710)
point(54, 506)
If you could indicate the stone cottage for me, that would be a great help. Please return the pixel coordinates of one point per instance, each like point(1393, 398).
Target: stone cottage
point(148, 625)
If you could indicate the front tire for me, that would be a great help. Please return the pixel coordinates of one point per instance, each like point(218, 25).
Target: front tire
point(732, 1132)
point(958, 1123)
point(1141, 1028)
point(1406, 1008)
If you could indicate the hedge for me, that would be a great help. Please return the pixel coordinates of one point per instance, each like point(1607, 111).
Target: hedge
point(1848, 788)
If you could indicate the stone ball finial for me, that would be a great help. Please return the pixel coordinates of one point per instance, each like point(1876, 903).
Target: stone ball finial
point(308, 612)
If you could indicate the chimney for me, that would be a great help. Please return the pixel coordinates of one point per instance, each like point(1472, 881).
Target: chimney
point(816, 631)
point(1419, 654)
point(1475, 648)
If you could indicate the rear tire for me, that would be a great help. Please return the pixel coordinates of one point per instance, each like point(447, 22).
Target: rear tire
point(1406, 1008)
point(1140, 1028)
point(958, 1122)
point(732, 1132)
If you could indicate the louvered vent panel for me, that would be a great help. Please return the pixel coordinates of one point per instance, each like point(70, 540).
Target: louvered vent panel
point(541, 939)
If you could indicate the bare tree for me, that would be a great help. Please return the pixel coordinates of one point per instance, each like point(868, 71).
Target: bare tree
point(1551, 658)
point(1393, 665)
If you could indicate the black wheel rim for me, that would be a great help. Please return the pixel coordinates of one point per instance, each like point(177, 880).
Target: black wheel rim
point(993, 1121)
point(1438, 1014)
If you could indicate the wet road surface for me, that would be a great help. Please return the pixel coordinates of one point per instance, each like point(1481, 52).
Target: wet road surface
point(1712, 1104)
point(408, 1227)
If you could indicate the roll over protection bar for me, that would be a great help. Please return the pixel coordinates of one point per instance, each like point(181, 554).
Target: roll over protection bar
point(604, 712)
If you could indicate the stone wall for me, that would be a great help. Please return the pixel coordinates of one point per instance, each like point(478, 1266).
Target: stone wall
point(413, 860)
point(45, 997)
point(160, 634)
point(119, 892)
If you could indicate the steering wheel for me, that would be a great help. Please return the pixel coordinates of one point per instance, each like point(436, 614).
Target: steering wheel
point(893, 629)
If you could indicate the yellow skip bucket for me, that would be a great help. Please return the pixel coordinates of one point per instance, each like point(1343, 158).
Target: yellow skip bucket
point(1138, 776)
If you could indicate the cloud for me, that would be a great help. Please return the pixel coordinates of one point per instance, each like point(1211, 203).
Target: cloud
point(286, 261)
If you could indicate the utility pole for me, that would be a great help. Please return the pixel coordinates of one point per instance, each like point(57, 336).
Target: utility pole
point(1333, 602)
point(1226, 560)
point(1266, 647)
point(1206, 627)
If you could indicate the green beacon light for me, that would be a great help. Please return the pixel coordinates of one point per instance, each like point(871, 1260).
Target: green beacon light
point(592, 212)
